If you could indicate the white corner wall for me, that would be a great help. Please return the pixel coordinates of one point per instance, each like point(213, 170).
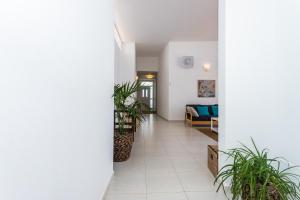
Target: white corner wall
point(163, 85)
point(181, 83)
point(259, 75)
point(147, 64)
point(125, 63)
point(56, 82)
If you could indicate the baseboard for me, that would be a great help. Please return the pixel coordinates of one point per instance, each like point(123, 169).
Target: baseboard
point(170, 120)
point(106, 190)
point(162, 117)
point(177, 120)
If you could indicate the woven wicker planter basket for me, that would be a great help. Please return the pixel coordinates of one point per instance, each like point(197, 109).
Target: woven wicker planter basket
point(130, 134)
point(122, 147)
point(272, 193)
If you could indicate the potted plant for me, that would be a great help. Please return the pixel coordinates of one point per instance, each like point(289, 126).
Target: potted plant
point(127, 109)
point(254, 176)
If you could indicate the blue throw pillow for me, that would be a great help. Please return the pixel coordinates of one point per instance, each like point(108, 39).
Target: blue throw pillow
point(203, 110)
point(215, 111)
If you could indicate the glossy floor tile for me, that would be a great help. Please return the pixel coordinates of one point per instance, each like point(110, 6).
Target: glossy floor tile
point(168, 162)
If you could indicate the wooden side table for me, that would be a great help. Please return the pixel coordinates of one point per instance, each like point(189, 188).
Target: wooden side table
point(214, 121)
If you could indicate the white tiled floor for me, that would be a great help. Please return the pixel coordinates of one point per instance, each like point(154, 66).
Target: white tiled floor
point(168, 162)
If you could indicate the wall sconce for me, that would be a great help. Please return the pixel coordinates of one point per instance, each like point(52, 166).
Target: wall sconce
point(206, 67)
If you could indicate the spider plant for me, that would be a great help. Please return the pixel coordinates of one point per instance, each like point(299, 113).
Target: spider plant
point(254, 176)
point(126, 103)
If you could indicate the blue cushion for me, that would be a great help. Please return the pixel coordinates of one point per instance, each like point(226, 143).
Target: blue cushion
point(215, 111)
point(203, 110)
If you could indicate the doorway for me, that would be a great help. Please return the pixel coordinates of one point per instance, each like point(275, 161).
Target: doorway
point(147, 94)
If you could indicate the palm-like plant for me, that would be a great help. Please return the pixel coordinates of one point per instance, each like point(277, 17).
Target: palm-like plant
point(126, 103)
point(255, 176)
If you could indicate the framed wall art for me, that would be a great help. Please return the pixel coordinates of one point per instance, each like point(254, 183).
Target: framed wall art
point(206, 88)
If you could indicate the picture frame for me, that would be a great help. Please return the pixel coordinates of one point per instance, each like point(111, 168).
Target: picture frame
point(206, 88)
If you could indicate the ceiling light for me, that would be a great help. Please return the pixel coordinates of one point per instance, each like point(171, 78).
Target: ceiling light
point(149, 76)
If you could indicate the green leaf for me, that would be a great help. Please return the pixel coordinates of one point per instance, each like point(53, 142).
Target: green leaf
point(253, 170)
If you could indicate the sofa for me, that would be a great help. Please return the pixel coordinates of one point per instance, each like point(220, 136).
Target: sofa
point(200, 115)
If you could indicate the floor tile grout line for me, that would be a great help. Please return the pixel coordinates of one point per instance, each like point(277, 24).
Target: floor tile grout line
point(178, 178)
point(150, 131)
point(168, 157)
point(176, 172)
point(145, 164)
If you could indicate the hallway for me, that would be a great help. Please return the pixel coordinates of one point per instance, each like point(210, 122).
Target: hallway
point(168, 162)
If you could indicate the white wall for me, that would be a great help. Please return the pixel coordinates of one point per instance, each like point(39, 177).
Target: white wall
point(116, 61)
point(260, 75)
point(56, 82)
point(163, 84)
point(125, 63)
point(183, 83)
point(147, 63)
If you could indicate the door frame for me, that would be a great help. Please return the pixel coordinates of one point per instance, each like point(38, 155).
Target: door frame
point(142, 77)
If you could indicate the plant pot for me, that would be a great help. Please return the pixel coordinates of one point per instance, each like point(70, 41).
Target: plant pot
point(272, 193)
point(122, 147)
point(130, 134)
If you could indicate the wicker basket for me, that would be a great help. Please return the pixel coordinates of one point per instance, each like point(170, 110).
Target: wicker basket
point(130, 134)
point(122, 147)
point(272, 193)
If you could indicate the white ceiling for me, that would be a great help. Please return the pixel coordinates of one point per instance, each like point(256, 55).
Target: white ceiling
point(152, 23)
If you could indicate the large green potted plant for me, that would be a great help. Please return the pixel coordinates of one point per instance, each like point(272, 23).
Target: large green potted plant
point(127, 109)
point(252, 175)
